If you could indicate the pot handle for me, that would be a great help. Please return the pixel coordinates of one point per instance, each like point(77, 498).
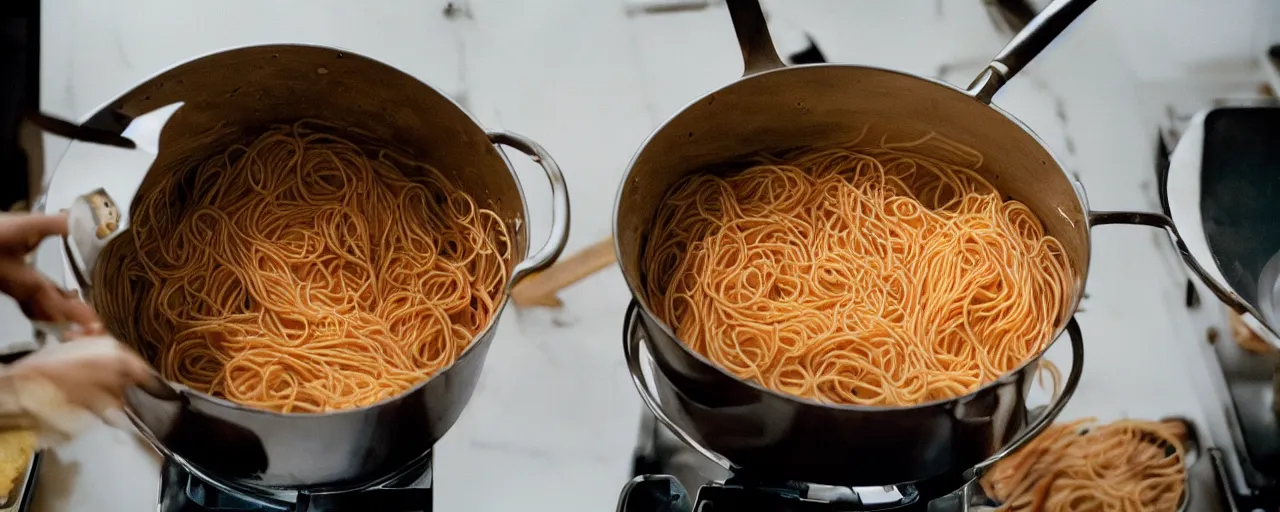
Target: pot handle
point(632, 337)
point(1024, 46)
point(559, 203)
point(758, 52)
point(1249, 314)
point(1051, 413)
point(81, 275)
point(93, 219)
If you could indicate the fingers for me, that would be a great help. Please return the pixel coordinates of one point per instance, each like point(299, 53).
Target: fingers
point(63, 384)
point(41, 299)
point(119, 366)
point(20, 234)
point(93, 372)
point(134, 370)
point(99, 401)
point(78, 330)
point(54, 304)
point(19, 280)
point(72, 309)
point(116, 418)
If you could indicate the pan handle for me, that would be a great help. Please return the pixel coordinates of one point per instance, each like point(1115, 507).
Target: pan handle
point(632, 337)
point(1051, 413)
point(559, 204)
point(758, 52)
point(81, 275)
point(1251, 316)
point(93, 219)
point(1024, 46)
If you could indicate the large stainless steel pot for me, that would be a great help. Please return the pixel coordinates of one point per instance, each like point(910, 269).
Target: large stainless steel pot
point(249, 89)
point(773, 107)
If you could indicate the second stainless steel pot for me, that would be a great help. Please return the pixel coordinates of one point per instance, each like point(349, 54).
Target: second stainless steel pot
point(773, 107)
point(249, 89)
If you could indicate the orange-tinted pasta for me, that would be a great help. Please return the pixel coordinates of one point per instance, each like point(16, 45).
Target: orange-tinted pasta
point(1125, 466)
point(303, 272)
point(872, 275)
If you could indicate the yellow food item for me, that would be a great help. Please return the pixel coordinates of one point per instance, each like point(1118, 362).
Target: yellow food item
point(16, 449)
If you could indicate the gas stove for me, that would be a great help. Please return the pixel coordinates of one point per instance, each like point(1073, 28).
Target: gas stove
point(665, 470)
point(185, 490)
point(1235, 463)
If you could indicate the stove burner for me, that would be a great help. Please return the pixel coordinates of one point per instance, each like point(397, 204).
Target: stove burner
point(798, 497)
point(1207, 490)
point(665, 469)
point(662, 493)
point(181, 490)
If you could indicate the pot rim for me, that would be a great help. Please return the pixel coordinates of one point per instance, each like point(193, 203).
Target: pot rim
point(478, 339)
point(1059, 329)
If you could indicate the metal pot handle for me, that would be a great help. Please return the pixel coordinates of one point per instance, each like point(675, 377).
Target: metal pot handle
point(1024, 46)
point(758, 52)
point(559, 236)
point(632, 336)
point(1051, 413)
point(81, 275)
point(93, 219)
point(1248, 313)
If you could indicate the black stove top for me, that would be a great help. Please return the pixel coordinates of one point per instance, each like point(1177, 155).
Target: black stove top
point(1207, 491)
point(181, 490)
point(664, 493)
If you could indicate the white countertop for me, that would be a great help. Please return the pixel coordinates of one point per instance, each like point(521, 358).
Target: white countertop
point(555, 418)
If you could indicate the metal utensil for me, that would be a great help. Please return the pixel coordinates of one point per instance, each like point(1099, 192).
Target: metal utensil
point(64, 128)
point(248, 89)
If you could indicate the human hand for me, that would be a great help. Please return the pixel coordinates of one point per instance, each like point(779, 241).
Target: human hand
point(39, 298)
point(92, 372)
point(58, 389)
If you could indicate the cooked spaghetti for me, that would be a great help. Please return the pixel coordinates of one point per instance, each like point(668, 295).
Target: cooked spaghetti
point(303, 272)
point(1126, 466)
point(872, 275)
